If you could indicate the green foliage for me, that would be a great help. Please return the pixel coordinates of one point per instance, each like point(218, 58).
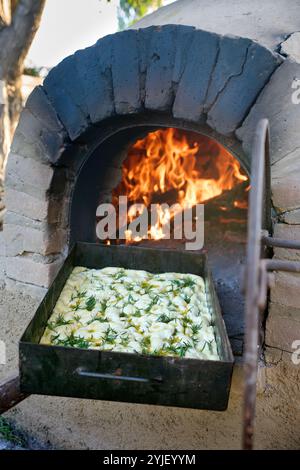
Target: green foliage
point(9, 434)
point(131, 11)
point(90, 303)
point(71, 341)
point(32, 71)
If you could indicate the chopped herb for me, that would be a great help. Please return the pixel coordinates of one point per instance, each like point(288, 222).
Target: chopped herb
point(76, 306)
point(131, 299)
point(146, 286)
point(90, 303)
point(182, 349)
point(72, 341)
point(188, 282)
point(160, 352)
point(99, 319)
point(103, 306)
point(164, 318)
point(119, 275)
point(179, 350)
point(124, 340)
point(146, 344)
point(137, 314)
point(110, 336)
point(186, 322)
point(176, 283)
point(186, 298)
point(153, 302)
point(196, 328)
point(78, 295)
point(59, 321)
point(209, 344)
point(51, 326)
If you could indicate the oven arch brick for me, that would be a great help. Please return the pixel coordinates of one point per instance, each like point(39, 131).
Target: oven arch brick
point(185, 88)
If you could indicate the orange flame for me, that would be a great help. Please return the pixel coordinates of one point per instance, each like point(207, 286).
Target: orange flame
point(166, 162)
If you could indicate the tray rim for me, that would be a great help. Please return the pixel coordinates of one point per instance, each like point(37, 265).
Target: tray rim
point(72, 254)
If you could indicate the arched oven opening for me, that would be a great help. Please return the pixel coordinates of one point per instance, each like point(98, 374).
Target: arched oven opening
point(168, 171)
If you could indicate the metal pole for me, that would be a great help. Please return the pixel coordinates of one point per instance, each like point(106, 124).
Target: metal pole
point(10, 393)
point(255, 223)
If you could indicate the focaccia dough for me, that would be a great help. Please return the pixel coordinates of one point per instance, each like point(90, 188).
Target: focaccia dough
point(134, 311)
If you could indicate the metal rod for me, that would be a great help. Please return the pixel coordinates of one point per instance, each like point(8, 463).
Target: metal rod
point(10, 394)
point(282, 265)
point(259, 183)
point(99, 375)
point(281, 243)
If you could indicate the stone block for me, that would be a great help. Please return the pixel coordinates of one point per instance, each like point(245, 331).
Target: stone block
point(21, 145)
point(192, 88)
point(287, 166)
point(184, 38)
point(33, 269)
point(291, 217)
point(273, 355)
point(282, 332)
point(11, 218)
point(159, 86)
point(286, 290)
point(94, 70)
point(27, 175)
point(275, 103)
point(282, 311)
point(63, 90)
point(56, 138)
point(287, 232)
point(33, 139)
point(45, 240)
point(291, 46)
point(144, 46)
point(21, 288)
point(125, 72)
point(241, 91)
point(230, 62)
point(40, 209)
point(286, 193)
point(39, 105)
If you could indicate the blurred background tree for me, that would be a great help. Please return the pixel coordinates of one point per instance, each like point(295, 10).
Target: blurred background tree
point(19, 21)
point(131, 11)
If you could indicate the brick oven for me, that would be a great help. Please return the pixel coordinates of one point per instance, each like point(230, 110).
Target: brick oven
point(198, 84)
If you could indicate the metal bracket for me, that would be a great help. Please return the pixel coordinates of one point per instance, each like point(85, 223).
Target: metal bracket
point(258, 272)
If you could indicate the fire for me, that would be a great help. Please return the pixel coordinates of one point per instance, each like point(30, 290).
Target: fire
point(168, 166)
point(241, 204)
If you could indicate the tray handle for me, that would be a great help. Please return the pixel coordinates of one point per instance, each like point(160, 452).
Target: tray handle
point(99, 375)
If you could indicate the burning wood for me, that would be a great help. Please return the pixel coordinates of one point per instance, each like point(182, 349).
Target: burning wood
point(183, 168)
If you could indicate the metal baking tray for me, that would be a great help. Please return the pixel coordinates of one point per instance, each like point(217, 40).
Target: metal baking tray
point(126, 377)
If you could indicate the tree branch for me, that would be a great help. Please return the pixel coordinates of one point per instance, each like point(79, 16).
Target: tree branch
point(5, 13)
point(16, 38)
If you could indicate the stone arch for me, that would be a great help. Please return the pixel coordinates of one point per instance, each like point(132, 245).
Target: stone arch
point(196, 78)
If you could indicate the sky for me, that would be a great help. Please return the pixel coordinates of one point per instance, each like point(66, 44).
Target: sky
point(69, 25)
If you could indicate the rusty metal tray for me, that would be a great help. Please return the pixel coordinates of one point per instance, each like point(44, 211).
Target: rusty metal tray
point(126, 377)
